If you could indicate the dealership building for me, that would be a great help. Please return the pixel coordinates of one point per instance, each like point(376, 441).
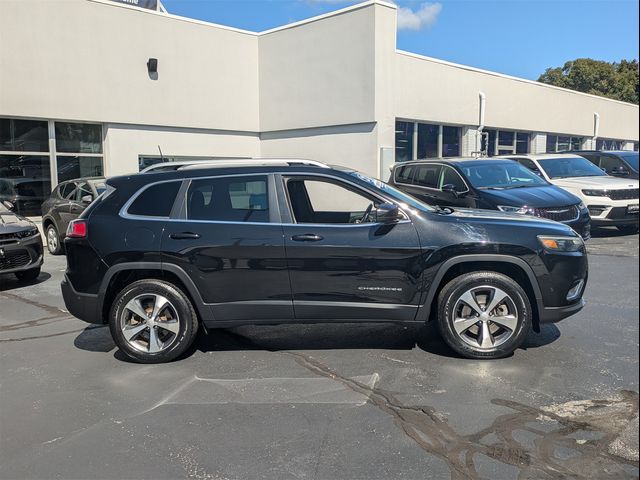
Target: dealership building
point(99, 87)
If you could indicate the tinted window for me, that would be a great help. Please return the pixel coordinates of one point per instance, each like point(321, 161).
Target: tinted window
point(451, 177)
point(529, 164)
point(568, 167)
point(156, 201)
point(501, 175)
point(66, 189)
point(404, 141)
point(632, 159)
point(450, 141)
point(231, 199)
point(428, 176)
point(78, 137)
point(428, 140)
point(84, 190)
point(24, 135)
point(611, 164)
point(405, 174)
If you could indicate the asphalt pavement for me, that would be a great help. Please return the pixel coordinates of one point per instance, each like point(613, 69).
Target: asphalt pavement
point(365, 401)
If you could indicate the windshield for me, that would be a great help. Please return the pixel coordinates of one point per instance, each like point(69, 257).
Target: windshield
point(631, 158)
point(570, 167)
point(390, 191)
point(501, 175)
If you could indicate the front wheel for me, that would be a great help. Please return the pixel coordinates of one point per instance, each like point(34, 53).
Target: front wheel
point(484, 315)
point(152, 321)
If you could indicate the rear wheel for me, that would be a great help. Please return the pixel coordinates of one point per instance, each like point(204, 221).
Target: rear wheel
point(484, 315)
point(628, 229)
point(152, 321)
point(53, 240)
point(28, 275)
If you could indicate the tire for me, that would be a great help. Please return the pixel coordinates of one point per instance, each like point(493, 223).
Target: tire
point(175, 326)
point(28, 275)
point(53, 240)
point(495, 334)
point(628, 229)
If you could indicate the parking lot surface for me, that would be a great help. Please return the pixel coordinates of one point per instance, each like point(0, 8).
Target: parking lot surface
point(373, 401)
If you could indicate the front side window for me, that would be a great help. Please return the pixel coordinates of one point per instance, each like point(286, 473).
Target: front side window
point(321, 201)
point(570, 167)
point(229, 199)
point(156, 201)
point(451, 177)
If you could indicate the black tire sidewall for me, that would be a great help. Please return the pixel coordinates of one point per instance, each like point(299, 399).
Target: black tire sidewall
point(183, 306)
point(452, 292)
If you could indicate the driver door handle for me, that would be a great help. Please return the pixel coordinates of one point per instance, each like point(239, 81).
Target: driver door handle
point(307, 237)
point(184, 236)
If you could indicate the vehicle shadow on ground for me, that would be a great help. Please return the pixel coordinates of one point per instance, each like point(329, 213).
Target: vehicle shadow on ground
point(11, 282)
point(609, 232)
point(311, 337)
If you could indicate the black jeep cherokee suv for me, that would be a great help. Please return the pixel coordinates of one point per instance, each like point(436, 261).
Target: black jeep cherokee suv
point(286, 241)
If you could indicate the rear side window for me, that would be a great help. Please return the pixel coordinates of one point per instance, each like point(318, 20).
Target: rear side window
point(405, 174)
point(156, 201)
point(66, 189)
point(230, 199)
point(428, 176)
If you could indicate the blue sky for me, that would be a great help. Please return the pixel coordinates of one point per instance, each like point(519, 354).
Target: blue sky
point(516, 37)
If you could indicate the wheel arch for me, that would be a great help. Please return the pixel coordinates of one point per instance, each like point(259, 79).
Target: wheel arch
point(513, 267)
point(121, 275)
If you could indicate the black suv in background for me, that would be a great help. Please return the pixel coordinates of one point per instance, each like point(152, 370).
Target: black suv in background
point(616, 163)
point(491, 184)
point(67, 201)
point(157, 255)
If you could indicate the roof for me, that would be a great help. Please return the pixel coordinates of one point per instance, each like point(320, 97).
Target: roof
point(540, 156)
point(456, 161)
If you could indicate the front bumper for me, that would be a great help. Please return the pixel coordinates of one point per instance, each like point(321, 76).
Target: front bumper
point(81, 305)
point(21, 255)
point(613, 216)
point(556, 314)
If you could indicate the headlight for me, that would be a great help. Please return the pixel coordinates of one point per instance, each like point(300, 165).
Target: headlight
point(520, 210)
point(27, 233)
point(595, 193)
point(561, 244)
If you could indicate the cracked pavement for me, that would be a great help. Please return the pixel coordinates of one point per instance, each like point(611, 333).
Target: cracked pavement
point(372, 401)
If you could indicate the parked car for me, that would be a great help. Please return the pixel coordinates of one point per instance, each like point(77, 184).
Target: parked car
point(611, 201)
point(158, 254)
point(66, 202)
point(20, 245)
point(490, 184)
point(616, 163)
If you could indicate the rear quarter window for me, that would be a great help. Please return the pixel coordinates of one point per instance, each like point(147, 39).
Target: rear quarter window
point(156, 200)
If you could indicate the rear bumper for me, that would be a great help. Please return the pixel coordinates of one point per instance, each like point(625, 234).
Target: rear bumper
point(556, 314)
point(81, 305)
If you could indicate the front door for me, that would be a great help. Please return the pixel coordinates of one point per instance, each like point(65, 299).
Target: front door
point(343, 264)
point(229, 240)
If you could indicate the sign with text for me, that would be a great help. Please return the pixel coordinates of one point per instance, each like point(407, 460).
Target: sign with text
point(149, 4)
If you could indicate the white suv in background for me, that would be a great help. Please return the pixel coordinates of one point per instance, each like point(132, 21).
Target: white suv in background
point(611, 201)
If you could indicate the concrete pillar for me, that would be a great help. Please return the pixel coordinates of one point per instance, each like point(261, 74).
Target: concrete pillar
point(470, 143)
point(538, 142)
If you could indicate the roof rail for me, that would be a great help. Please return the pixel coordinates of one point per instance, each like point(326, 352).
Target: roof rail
point(256, 162)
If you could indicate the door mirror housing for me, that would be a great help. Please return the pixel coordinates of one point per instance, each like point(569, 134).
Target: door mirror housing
point(387, 213)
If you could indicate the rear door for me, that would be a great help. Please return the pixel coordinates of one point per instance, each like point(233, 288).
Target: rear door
point(342, 265)
point(228, 238)
point(426, 184)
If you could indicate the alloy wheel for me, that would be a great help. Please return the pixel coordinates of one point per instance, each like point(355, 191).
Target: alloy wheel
point(485, 317)
point(52, 239)
point(150, 323)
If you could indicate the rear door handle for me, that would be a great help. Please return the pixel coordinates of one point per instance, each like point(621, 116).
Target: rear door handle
point(184, 236)
point(307, 237)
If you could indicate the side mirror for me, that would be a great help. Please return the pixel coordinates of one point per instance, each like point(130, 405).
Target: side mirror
point(87, 199)
point(388, 213)
point(8, 204)
point(451, 189)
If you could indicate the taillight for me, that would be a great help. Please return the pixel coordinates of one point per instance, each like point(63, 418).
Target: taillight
point(77, 229)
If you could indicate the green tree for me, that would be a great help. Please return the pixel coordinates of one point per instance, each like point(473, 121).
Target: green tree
point(612, 80)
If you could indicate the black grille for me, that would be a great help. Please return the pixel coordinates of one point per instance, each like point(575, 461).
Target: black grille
point(559, 214)
point(4, 237)
point(17, 259)
point(627, 194)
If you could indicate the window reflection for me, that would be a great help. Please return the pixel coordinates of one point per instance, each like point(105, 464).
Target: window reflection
point(404, 141)
point(77, 166)
point(25, 182)
point(78, 137)
point(23, 135)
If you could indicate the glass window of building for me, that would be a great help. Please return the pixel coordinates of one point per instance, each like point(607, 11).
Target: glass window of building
point(563, 143)
point(404, 141)
point(428, 136)
point(504, 142)
point(608, 144)
point(25, 174)
point(79, 150)
point(450, 141)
